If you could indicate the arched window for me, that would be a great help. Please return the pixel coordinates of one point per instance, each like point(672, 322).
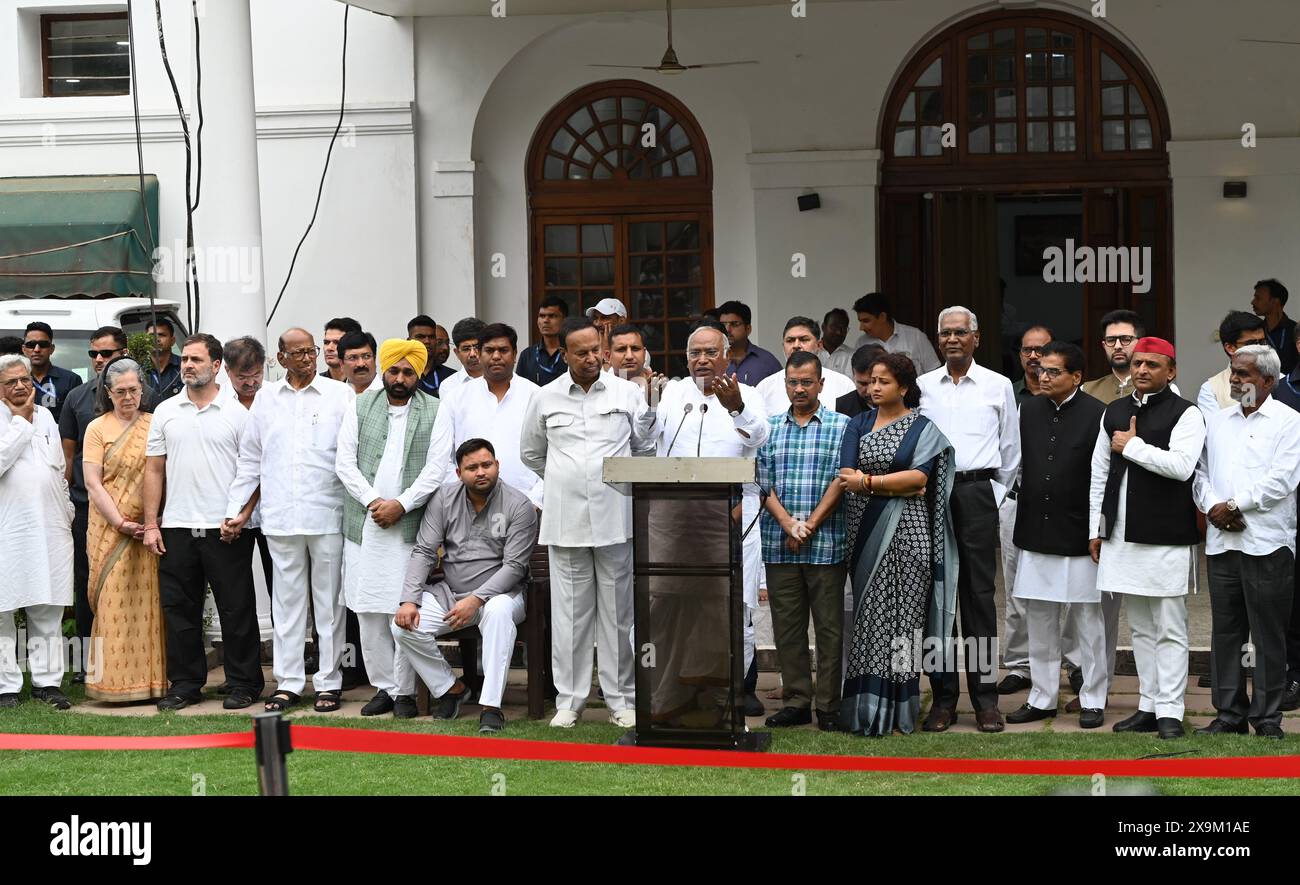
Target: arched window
point(620, 200)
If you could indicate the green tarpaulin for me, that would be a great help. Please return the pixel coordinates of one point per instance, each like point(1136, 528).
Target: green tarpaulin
point(77, 235)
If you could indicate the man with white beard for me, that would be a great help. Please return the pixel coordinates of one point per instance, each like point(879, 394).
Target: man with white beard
point(36, 524)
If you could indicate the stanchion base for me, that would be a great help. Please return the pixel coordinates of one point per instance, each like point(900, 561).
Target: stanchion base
point(748, 742)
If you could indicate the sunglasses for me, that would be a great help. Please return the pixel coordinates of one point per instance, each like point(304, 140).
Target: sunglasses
point(103, 354)
point(37, 345)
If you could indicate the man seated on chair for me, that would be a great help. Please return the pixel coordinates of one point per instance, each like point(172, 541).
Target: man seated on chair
point(486, 530)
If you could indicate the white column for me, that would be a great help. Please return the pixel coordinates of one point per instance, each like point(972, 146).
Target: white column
point(447, 243)
point(228, 223)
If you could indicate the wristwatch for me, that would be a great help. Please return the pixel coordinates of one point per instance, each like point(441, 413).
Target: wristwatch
point(1232, 504)
point(736, 413)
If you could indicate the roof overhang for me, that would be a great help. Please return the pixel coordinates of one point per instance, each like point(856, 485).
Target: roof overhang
point(542, 7)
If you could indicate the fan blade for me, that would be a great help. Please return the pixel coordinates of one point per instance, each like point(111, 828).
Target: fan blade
point(1281, 42)
point(722, 64)
point(628, 67)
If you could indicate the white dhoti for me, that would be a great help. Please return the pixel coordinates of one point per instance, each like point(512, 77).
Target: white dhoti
point(44, 649)
point(373, 572)
point(1015, 630)
point(1048, 587)
point(591, 601)
point(1159, 628)
point(308, 571)
point(497, 620)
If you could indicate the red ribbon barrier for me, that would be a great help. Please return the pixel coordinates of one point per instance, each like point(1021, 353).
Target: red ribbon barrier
point(350, 740)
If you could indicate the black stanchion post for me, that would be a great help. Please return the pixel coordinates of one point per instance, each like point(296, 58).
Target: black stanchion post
point(271, 733)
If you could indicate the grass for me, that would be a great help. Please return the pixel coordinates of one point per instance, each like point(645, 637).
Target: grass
point(232, 772)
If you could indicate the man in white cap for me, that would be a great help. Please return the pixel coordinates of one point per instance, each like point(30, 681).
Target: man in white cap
point(607, 313)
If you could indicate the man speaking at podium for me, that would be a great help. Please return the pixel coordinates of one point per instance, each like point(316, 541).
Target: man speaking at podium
point(706, 415)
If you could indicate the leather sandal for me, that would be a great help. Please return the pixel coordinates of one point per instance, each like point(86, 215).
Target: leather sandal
point(281, 701)
point(328, 701)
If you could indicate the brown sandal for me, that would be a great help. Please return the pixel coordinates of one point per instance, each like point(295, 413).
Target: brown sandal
point(329, 701)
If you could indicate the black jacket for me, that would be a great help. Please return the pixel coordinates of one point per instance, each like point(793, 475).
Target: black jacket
point(1056, 474)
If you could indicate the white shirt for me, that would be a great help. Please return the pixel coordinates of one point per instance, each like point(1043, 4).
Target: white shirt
point(289, 448)
point(567, 435)
point(451, 382)
point(1144, 569)
point(202, 450)
point(1215, 395)
point(909, 341)
point(1255, 461)
point(840, 360)
point(979, 417)
point(35, 514)
point(777, 402)
point(473, 411)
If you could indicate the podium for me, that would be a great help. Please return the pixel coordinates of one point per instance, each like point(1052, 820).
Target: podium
point(688, 603)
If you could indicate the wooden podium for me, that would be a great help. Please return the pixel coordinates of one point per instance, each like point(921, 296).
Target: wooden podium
point(688, 601)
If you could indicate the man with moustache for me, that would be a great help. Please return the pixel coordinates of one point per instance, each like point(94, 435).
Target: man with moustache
point(245, 360)
point(858, 400)
point(570, 427)
point(543, 362)
point(53, 383)
point(835, 354)
point(1142, 519)
point(725, 420)
point(1246, 485)
point(1238, 329)
point(749, 362)
point(1269, 302)
point(287, 451)
point(876, 320)
point(1120, 331)
point(357, 353)
point(335, 329)
point(424, 330)
point(383, 459)
point(165, 371)
point(801, 333)
point(465, 336)
point(193, 449)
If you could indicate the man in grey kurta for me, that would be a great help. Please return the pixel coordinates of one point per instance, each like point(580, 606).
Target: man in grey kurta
point(487, 530)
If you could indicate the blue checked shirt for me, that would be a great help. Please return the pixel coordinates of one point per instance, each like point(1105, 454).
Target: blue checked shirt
point(798, 464)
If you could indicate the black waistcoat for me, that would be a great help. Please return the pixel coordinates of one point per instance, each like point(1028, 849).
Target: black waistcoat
point(1158, 510)
point(1056, 474)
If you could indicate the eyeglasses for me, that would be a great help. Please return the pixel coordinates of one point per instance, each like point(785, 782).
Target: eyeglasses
point(1030, 349)
point(354, 358)
point(305, 353)
point(16, 383)
point(105, 354)
point(954, 333)
point(1112, 340)
point(125, 392)
point(1050, 372)
point(35, 344)
point(800, 384)
point(247, 377)
point(708, 353)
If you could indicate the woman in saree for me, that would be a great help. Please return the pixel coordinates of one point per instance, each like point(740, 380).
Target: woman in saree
point(127, 656)
point(897, 468)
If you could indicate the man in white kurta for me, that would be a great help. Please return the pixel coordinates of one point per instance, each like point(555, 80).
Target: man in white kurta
point(1154, 578)
point(375, 556)
point(36, 527)
point(288, 450)
point(572, 425)
point(802, 333)
point(726, 419)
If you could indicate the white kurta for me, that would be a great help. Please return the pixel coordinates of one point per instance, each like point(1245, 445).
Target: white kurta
point(777, 402)
point(35, 513)
point(373, 570)
point(1056, 578)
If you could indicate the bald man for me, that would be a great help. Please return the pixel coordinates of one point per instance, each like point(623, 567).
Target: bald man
point(288, 451)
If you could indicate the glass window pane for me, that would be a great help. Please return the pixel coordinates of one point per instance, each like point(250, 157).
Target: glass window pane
point(637, 167)
point(605, 108)
point(1110, 69)
point(907, 113)
point(1036, 139)
point(678, 333)
point(931, 145)
point(683, 269)
point(581, 121)
point(647, 304)
point(1036, 65)
point(1062, 101)
point(1063, 136)
point(1112, 101)
point(610, 131)
point(629, 134)
point(977, 69)
point(979, 41)
point(561, 238)
point(582, 155)
point(1035, 38)
point(1062, 65)
point(591, 297)
point(686, 164)
point(1139, 134)
point(677, 139)
point(598, 271)
point(561, 271)
point(553, 168)
point(1004, 38)
point(578, 173)
point(931, 106)
point(1112, 135)
point(663, 170)
point(570, 298)
point(645, 236)
point(978, 142)
point(904, 142)
point(1135, 105)
point(978, 100)
point(1062, 41)
point(659, 117)
point(598, 238)
point(683, 303)
point(601, 171)
point(1005, 103)
point(683, 235)
point(1036, 101)
point(1004, 138)
point(653, 333)
point(1004, 67)
point(562, 141)
point(611, 158)
point(933, 75)
point(633, 108)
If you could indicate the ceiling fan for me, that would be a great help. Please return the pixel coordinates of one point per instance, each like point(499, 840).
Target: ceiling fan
point(669, 63)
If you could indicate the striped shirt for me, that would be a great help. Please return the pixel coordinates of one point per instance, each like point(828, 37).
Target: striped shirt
point(798, 464)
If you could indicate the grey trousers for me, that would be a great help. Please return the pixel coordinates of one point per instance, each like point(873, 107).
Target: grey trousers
point(1250, 601)
point(793, 592)
point(1015, 626)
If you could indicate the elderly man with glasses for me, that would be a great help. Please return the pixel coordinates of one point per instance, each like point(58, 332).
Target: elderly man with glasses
point(36, 524)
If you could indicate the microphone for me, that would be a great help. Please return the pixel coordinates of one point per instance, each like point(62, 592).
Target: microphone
point(704, 407)
point(686, 411)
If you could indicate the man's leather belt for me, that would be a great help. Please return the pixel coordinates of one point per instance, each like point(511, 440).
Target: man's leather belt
point(974, 475)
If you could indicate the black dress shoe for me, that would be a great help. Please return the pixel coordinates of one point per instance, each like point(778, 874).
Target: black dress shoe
point(753, 706)
point(78, 679)
point(1012, 683)
point(239, 698)
point(380, 704)
point(1027, 713)
point(829, 721)
point(176, 702)
point(1291, 697)
point(1091, 718)
point(1076, 680)
point(939, 719)
point(404, 707)
point(1204, 681)
point(52, 696)
point(448, 706)
point(1270, 731)
point(1169, 728)
point(1218, 726)
point(1139, 721)
point(789, 716)
point(8, 699)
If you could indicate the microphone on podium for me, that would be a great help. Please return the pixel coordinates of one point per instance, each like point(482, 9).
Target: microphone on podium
point(704, 407)
point(686, 411)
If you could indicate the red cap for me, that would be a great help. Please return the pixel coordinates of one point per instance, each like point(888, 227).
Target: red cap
point(1151, 344)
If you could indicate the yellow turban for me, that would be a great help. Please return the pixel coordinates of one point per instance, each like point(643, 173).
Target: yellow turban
point(395, 349)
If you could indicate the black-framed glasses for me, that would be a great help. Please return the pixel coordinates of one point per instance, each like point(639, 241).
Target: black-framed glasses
point(710, 353)
point(36, 344)
point(1112, 340)
point(305, 353)
point(1031, 349)
point(1050, 371)
point(105, 354)
point(800, 383)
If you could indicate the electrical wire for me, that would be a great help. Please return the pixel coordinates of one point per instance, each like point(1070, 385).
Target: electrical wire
point(343, 91)
point(191, 278)
point(198, 102)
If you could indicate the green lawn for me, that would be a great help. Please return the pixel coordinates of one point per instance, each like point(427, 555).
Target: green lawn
point(232, 772)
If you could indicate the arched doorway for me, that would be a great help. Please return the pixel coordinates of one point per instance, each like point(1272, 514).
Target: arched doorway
point(1060, 134)
point(620, 201)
